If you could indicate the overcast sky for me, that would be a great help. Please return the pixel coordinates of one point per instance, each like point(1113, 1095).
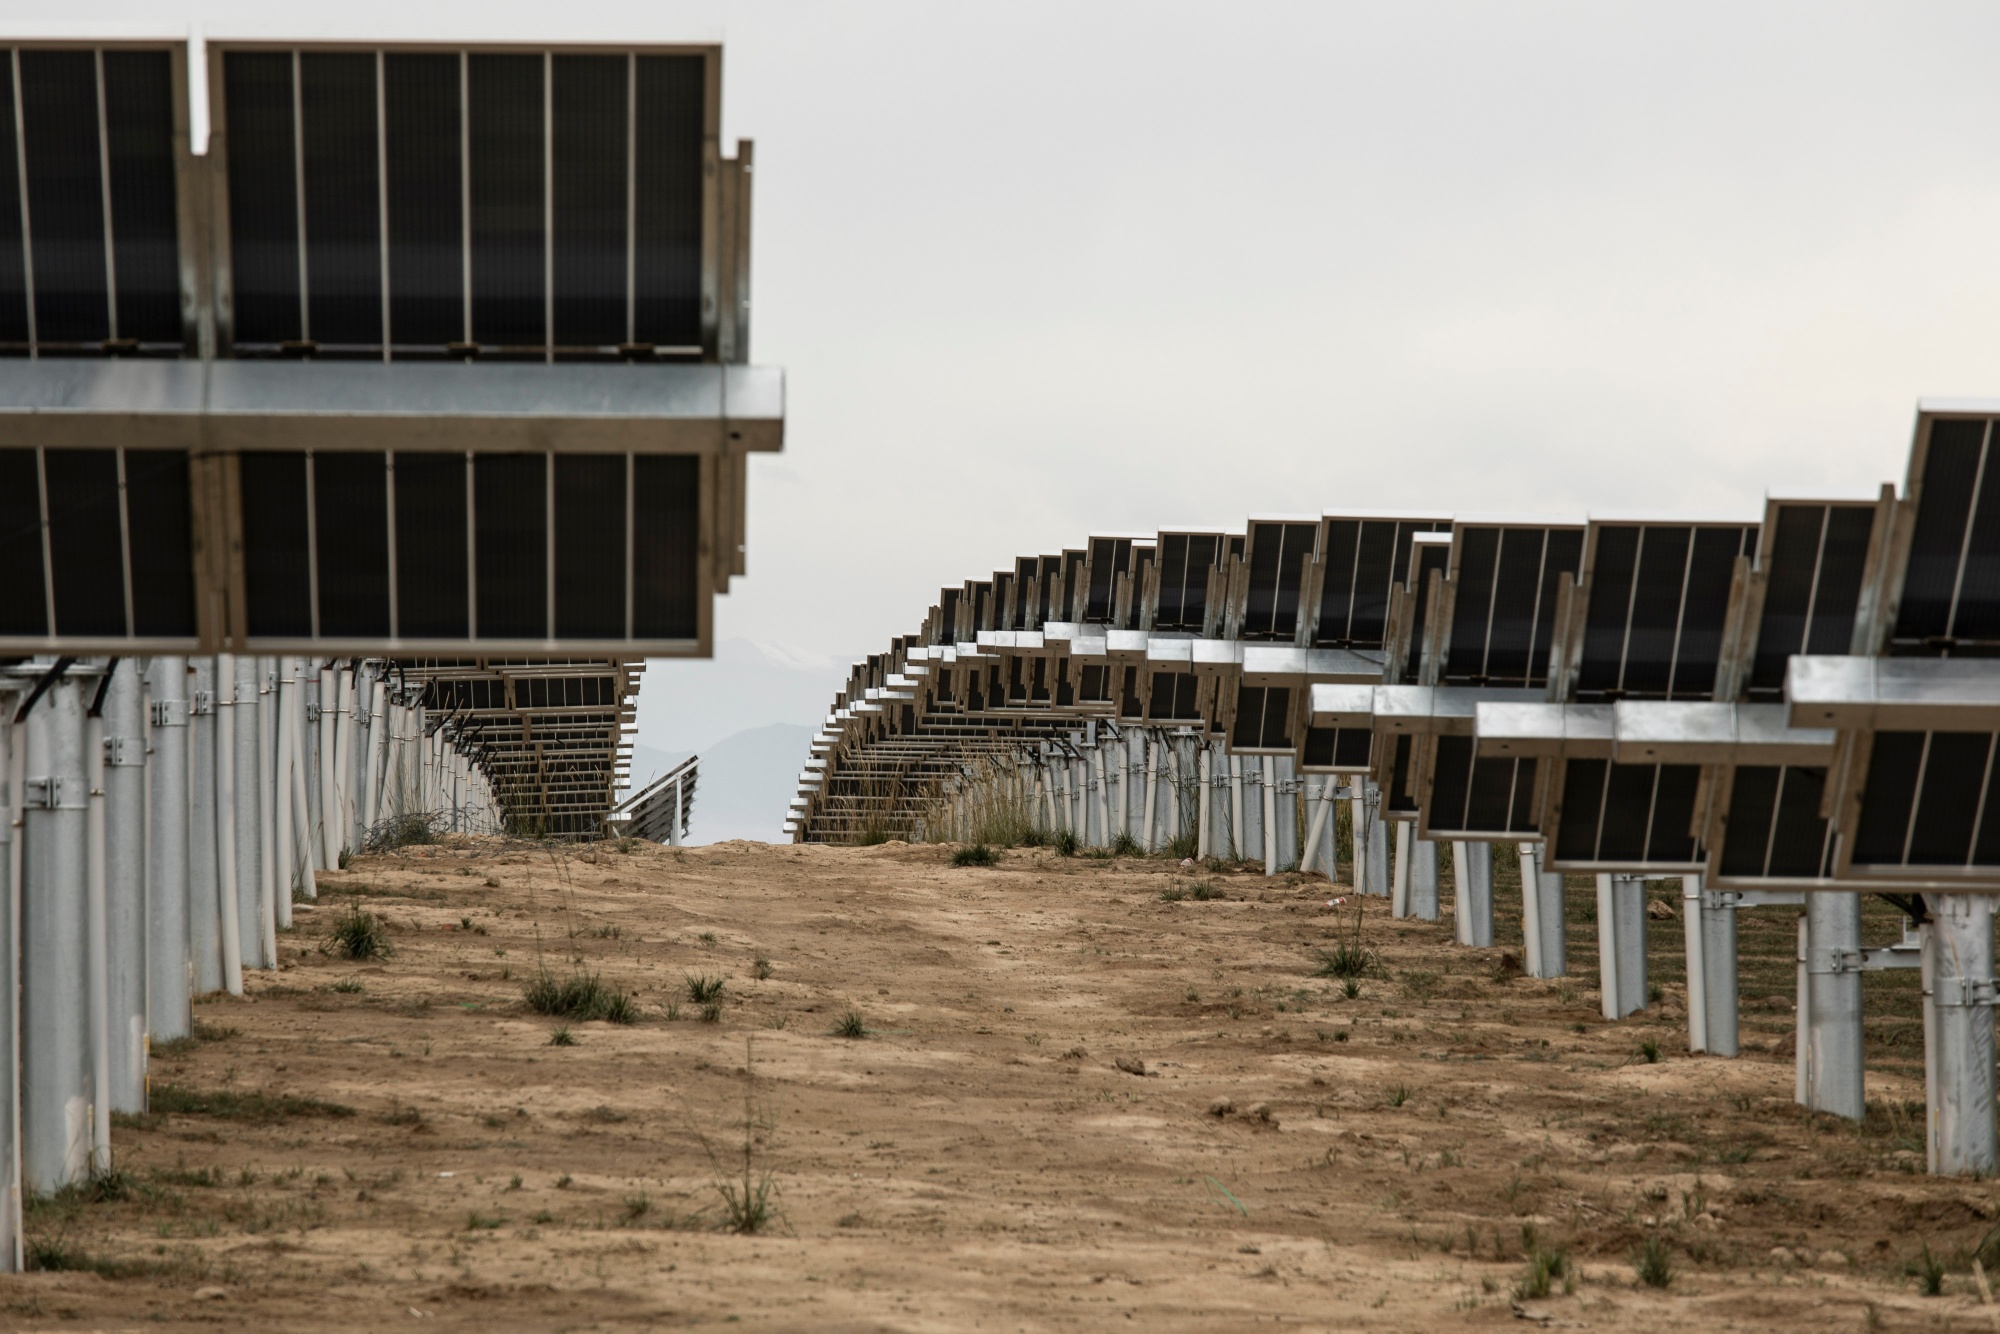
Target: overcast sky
point(1038, 269)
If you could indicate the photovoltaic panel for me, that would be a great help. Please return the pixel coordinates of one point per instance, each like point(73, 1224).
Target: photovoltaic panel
point(1431, 558)
point(512, 542)
point(1362, 559)
point(431, 563)
point(159, 532)
point(509, 221)
point(1263, 718)
point(666, 540)
point(1478, 796)
point(1278, 552)
point(1626, 815)
point(23, 596)
point(13, 259)
point(1186, 560)
point(1813, 570)
point(590, 112)
point(1774, 829)
point(1347, 749)
point(426, 197)
point(1658, 598)
point(145, 227)
point(590, 546)
point(1929, 802)
point(86, 545)
point(668, 120)
point(277, 535)
point(343, 197)
point(60, 130)
point(1951, 585)
point(263, 198)
point(351, 517)
point(1504, 602)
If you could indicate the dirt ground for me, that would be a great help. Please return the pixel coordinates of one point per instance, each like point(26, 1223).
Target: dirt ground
point(374, 1145)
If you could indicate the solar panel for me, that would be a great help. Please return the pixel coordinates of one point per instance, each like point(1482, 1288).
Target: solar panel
point(1504, 580)
point(1187, 566)
point(1817, 558)
point(1361, 559)
point(1657, 597)
point(518, 203)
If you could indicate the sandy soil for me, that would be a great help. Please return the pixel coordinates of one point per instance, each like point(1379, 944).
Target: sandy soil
point(405, 1147)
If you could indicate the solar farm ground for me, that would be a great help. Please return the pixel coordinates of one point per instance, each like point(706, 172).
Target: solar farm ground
point(400, 1142)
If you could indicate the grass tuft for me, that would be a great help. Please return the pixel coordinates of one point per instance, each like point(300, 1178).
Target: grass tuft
point(1653, 1263)
point(581, 996)
point(850, 1025)
point(359, 935)
point(703, 989)
point(562, 1037)
point(977, 855)
point(1649, 1051)
point(1348, 959)
point(1064, 842)
point(1546, 1266)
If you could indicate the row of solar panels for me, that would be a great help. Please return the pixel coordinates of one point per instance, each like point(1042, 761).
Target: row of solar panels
point(553, 736)
point(162, 550)
point(378, 201)
point(1796, 701)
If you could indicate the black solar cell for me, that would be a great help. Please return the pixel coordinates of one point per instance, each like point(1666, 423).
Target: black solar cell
point(343, 198)
point(426, 200)
point(13, 261)
point(1882, 831)
point(591, 111)
point(1937, 539)
point(139, 128)
point(277, 570)
point(60, 129)
point(351, 519)
point(263, 197)
point(509, 223)
point(590, 546)
point(665, 540)
point(1517, 591)
point(511, 504)
point(431, 591)
point(86, 546)
point(1948, 800)
point(668, 206)
point(160, 535)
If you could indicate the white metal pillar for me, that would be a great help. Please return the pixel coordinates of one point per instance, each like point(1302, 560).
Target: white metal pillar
point(1321, 799)
point(1958, 1029)
point(284, 847)
point(228, 718)
point(1472, 893)
point(1270, 815)
point(1832, 1018)
point(13, 756)
point(204, 911)
point(1236, 840)
point(126, 932)
point(1543, 940)
point(1151, 750)
point(1204, 847)
point(169, 962)
point(251, 770)
point(1621, 944)
point(1718, 964)
point(56, 1093)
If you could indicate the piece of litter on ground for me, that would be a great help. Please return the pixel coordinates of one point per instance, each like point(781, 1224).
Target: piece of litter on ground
point(446, 1175)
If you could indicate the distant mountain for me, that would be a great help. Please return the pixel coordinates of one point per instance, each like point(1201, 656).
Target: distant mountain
point(691, 704)
point(746, 784)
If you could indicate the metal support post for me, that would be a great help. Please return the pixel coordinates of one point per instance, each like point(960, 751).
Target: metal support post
point(1322, 807)
point(1399, 873)
point(126, 933)
point(1152, 752)
point(1378, 841)
point(204, 911)
point(56, 1093)
point(169, 971)
point(1103, 795)
point(250, 850)
point(96, 938)
point(13, 755)
point(1174, 815)
point(1543, 941)
point(1718, 966)
point(1621, 944)
point(1236, 840)
point(228, 910)
point(302, 828)
point(1204, 844)
point(1958, 1027)
point(284, 849)
point(1832, 1020)
point(1472, 893)
point(1270, 815)
point(1423, 903)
